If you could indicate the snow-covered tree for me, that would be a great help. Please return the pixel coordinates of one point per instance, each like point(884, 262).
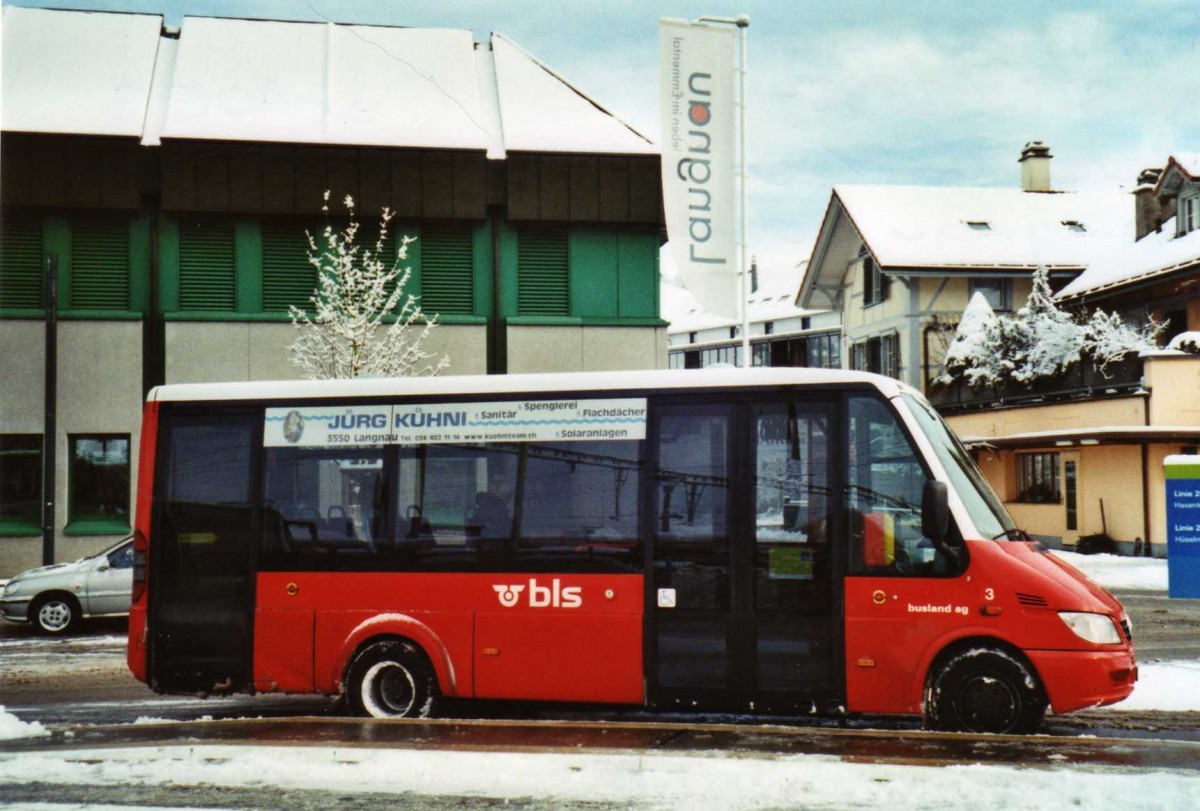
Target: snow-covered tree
point(1107, 338)
point(1048, 339)
point(968, 353)
point(1038, 341)
point(363, 324)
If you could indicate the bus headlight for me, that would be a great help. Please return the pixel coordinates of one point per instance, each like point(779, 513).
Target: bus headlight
point(1098, 629)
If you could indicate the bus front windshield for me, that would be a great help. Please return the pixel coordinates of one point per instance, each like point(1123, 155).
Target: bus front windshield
point(988, 514)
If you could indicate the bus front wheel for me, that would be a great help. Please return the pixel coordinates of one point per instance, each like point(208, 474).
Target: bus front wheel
point(985, 690)
point(391, 679)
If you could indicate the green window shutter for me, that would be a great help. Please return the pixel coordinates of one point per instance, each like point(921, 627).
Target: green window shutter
point(448, 269)
point(207, 269)
point(100, 262)
point(542, 271)
point(287, 276)
point(21, 259)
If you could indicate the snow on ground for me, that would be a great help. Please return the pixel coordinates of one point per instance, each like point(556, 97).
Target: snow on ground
point(660, 780)
point(635, 778)
point(12, 727)
point(1117, 572)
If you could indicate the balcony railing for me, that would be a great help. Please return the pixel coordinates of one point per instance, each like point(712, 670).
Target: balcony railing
point(1082, 380)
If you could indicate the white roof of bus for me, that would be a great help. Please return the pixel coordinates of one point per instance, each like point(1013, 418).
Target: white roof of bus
point(540, 384)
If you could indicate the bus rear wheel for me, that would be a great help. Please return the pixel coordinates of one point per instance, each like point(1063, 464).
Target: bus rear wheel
point(985, 690)
point(391, 679)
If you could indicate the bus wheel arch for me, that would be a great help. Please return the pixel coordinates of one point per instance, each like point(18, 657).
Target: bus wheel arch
point(391, 677)
point(983, 684)
point(398, 626)
point(55, 612)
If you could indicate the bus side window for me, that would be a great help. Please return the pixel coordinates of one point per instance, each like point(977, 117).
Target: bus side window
point(885, 480)
point(322, 502)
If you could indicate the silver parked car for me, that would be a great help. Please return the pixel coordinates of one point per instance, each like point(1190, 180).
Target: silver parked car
point(55, 598)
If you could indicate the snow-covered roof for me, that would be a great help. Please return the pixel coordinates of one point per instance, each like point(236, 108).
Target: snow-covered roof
point(547, 385)
point(953, 227)
point(79, 72)
point(543, 112)
point(1154, 255)
point(293, 82)
point(1181, 168)
point(254, 80)
point(775, 300)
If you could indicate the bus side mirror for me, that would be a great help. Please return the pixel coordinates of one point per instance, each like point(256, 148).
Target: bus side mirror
point(935, 512)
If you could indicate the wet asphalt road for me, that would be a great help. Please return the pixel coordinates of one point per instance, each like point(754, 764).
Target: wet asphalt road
point(83, 680)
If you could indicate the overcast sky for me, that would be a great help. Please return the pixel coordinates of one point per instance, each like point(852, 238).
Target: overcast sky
point(924, 92)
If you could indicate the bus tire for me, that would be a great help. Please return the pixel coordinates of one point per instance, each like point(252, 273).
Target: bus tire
point(391, 679)
point(983, 689)
point(54, 614)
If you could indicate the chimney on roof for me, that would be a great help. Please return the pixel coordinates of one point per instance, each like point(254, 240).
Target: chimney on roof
point(1148, 210)
point(1035, 167)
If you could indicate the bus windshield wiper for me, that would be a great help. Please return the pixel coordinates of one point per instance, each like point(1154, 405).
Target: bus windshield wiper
point(1015, 533)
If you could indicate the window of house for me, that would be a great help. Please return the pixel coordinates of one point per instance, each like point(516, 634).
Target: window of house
point(728, 355)
point(769, 328)
point(1188, 213)
point(733, 332)
point(207, 264)
point(20, 484)
point(1037, 478)
point(21, 261)
point(824, 351)
point(875, 282)
point(998, 292)
point(288, 278)
point(99, 484)
point(100, 262)
point(447, 268)
point(880, 355)
point(543, 271)
point(979, 225)
point(691, 337)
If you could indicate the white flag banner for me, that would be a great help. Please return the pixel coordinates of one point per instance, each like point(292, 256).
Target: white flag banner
point(699, 148)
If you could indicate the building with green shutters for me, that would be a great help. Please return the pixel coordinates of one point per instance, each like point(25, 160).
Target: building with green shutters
point(173, 174)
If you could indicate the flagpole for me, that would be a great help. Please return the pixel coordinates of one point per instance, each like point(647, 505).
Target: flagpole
point(742, 22)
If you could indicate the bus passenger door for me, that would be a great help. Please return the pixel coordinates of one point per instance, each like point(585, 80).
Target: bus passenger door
point(201, 578)
point(742, 591)
point(795, 624)
point(690, 585)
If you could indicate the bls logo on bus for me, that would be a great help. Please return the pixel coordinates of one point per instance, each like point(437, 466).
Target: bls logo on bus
point(552, 596)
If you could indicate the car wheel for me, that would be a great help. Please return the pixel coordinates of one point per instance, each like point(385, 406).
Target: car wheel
point(985, 690)
point(55, 613)
point(391, 679)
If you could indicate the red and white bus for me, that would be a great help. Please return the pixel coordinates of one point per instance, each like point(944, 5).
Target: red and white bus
point(768, 539)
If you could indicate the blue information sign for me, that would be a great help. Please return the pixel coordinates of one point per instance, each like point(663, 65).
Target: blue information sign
point(1183, 526)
